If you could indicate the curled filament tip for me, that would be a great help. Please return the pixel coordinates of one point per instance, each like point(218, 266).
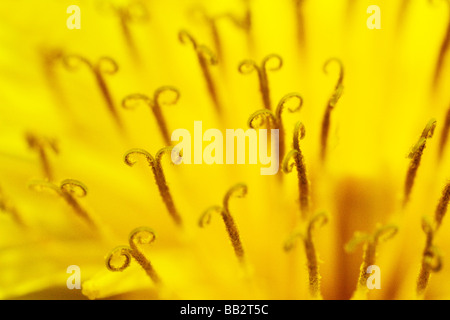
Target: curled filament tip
point(185, 37)
point(74, 187)
point(128, 158)
point(120, 258)
point(239, 191)
point(141, 236)
point(122, 252)
point(262, 118)
point(292, 101)
point(247, 66)
point(166, 95)
point(341, 70)
point(205, 218)
point(272, 62)
point(107, 65)
point(133, 100)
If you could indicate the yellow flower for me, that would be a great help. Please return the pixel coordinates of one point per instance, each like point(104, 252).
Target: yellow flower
point(369, 169)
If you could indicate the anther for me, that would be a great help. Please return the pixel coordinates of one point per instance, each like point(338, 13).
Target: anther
point(50, 57)
point(431, 259)
point(42, 145)
point(205, 58)
point(248, 66)
point(330, 106)
point(7, 207)
point(155, 164)
point(132, 13)
point(445, 45)
point(295, 158)
point(267, 118)
point(105, 65)
point(244, 22)
point(444, 135)
point(239, 190)
point(120, 258)
point(442, 206)
point(402, 12)
point(371, 242)
point(300, 22)
point(155, 105)
point(306, 236)
point(70, 190)
point(416, 155)
point(211, 21)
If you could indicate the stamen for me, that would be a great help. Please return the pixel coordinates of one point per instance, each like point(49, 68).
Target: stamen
point(155, 105)
point(138, 237)
point(211, 21)
point(239, 190)
point(42, 145)
point(316, 221)
point(442, 52)
point(442, 206)
point(105, 65)
point(371, 242)
point(416, 155)
point(299, 162)
point(404, 6)
point(300, 22)
point(155, 164)
point(7, 207)
point(205, 58)
point(131, 13)
point(267, 118)
point(350, 9)
point(248, 66)
point(444, 135)
point(72, 189)
point(330, 106)
point(69, 190)
point(50, 56)
point(244, 23)
point(431, 260)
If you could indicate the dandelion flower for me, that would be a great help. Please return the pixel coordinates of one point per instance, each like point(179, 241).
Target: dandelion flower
point(363, 119)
